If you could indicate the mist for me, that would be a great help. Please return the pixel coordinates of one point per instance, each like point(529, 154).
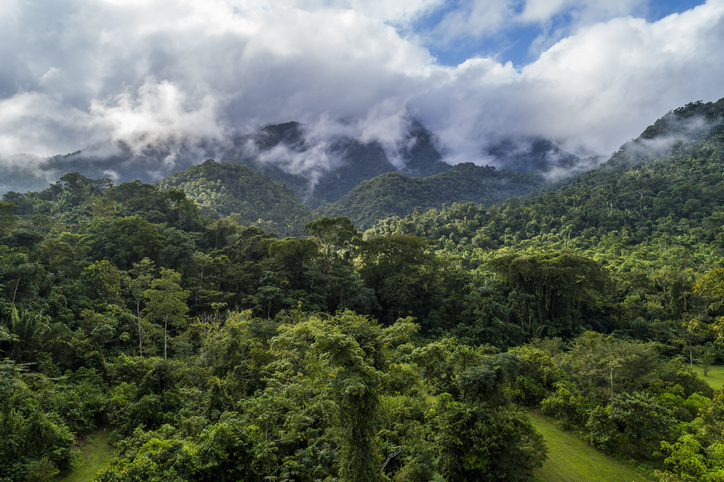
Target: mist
point(182, 80)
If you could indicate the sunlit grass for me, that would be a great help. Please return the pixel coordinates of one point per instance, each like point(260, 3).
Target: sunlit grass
point(570, 459)
point(715, 377)
point(95, 454)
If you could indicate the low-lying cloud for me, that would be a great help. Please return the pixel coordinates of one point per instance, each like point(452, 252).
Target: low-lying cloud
point(79, 73)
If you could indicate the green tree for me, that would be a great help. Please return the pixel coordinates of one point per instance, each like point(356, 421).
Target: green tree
point(482, 436)
point(356, 352)
point(166, 301)
point(8, 219)
point(711, 285)
point(331, 235)
point(404, 275)
point(101, 283)
point(560, 290)
point(32, 333)
point(142, 276)
point(123, 241)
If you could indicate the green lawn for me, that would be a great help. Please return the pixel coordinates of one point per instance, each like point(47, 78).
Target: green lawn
point(95, 453)
point(715, 377)
point(570, 459)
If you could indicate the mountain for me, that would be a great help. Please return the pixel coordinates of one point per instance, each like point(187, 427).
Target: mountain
point(528, 153)
point(661, 195)
point(319, 167)
point(118, 161)
point(315, 172)
point(322, 171)
point(396, 194)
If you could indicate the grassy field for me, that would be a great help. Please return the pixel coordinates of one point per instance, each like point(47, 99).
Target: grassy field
point(715, 377)
point(570, 459)
point(95, 453)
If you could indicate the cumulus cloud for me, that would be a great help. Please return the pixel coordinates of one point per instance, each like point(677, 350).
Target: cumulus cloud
point(158, 111)
point(586, 11)
point(39, 123)
point(625, 71)
point(75, 73)
point(475, 18)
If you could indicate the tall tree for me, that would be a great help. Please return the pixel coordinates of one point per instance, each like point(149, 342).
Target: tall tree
point(166, 301)
point(331, 235)
point(142, 276)
point(8, 219)
point(711, 285)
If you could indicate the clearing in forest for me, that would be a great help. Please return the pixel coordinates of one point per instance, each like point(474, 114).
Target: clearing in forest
point(715, 377)
point(570, 459)
point(95, 454)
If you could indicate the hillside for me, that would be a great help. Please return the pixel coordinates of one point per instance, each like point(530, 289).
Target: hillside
point(396, 194)
point(322, 171)
point(665, 185)
point(319, 169)
point(225, 189)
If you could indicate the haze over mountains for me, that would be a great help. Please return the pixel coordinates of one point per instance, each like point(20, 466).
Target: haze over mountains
point(277, 176)
point(318, 167)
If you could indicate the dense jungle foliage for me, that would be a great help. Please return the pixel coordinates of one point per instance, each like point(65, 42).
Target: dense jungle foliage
point(395, 194)
point(223, 189)
point(216, 350)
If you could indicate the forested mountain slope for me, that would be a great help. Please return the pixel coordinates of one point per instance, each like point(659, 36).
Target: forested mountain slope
point(225, 189)
point(396, 194)
point(324, 172)
point(318, 170)
point(674, 190)
point(652, 219)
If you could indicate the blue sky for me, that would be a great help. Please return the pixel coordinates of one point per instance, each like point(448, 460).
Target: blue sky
point(515, 42)
point(587, 74)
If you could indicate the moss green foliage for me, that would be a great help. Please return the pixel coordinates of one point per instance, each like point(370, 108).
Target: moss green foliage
point(224, 189)
point(555, 291)
point(397, 194)
point(317, 397)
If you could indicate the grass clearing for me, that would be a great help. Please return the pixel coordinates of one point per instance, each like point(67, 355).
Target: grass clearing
point(570, 459)
point(95, 454)
point(715, 377)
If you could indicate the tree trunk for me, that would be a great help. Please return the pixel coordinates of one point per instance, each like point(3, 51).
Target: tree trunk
point(165, 337)
point(140, 337)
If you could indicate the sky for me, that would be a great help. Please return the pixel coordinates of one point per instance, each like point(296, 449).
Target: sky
point(587, 74)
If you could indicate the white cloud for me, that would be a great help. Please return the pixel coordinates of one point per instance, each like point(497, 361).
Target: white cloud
point(36, 123)
point(77, 72)
point(475, 18)
point(585, 12)
point(617, 77)
point(158, 111)
point(398, 11)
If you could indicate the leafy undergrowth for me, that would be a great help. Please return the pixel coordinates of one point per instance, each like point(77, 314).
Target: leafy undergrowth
point(95, 454)
point(715, 377)
point(570, 459)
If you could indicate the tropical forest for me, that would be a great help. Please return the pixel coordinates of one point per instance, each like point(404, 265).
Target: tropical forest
point(226, 323)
